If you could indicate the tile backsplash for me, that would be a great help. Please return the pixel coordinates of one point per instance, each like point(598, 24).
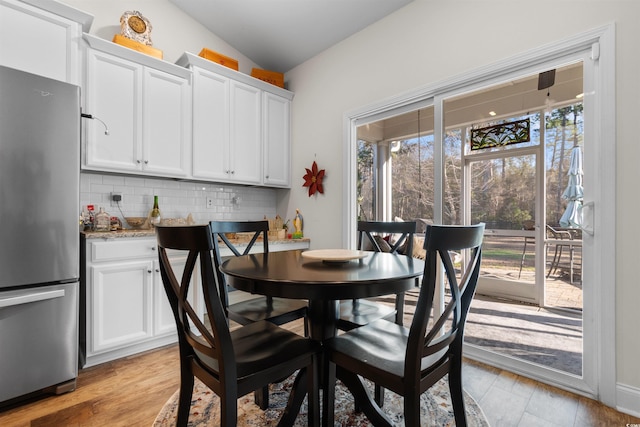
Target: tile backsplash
point(177, 199)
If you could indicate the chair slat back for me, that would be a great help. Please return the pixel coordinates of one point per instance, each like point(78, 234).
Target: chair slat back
point(195, 339)
point(444, 336)
point(369, 229)
point(219, 229)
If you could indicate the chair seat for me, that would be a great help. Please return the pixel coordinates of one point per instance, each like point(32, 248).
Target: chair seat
point(363, 312)
point(279, 311)
point(231, 363)
point(261, 345)
point(382, 345)
point(408, 361)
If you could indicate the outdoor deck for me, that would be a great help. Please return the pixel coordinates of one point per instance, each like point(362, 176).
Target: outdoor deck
point(549, 335)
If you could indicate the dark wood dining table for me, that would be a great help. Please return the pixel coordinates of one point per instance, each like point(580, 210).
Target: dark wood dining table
point(288, 274)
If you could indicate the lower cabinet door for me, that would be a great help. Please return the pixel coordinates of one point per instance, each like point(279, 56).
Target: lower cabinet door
point(163, 320)
point(120, 296)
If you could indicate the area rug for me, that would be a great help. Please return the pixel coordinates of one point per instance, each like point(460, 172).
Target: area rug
point(436, 408)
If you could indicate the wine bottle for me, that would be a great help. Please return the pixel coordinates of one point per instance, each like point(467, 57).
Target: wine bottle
point(154, 215)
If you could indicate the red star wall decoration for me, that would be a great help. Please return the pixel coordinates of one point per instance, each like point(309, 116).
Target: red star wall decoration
point(313, 179)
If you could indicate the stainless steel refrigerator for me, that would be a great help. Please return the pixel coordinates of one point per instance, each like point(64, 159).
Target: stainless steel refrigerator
point(39, 235)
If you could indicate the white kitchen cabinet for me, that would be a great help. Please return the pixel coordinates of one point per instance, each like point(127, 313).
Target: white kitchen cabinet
point(241, 126)
point(226, 129)
point(145, 104)
point(277, 140)
point(127, 310)
point(210, 125)
point(163, 321)
point(120, 302)
point(244, 139)
point(42, 37)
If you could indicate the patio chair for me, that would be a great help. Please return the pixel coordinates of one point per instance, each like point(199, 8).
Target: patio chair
point(409, 361)
point(553, 233)
point(230, 363)
point(528, 225)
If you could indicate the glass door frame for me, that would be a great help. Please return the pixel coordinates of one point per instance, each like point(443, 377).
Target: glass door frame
point(586, 384)
point(598, 47)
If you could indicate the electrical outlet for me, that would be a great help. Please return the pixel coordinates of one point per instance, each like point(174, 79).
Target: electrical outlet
point(209, 202)
point(115, 199)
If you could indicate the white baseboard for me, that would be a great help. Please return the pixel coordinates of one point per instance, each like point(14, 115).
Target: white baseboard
point(628, 399)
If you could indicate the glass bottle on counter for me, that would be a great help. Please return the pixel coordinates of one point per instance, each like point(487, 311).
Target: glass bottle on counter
point(155, 215)
point(102, 221)
point(298, 224)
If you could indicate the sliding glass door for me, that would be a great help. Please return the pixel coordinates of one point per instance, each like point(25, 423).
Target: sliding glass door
point(502, 156)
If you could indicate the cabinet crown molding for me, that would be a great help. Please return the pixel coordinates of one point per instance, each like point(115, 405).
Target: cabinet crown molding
point(60, 9)
point(189, 59)
point(107, 46)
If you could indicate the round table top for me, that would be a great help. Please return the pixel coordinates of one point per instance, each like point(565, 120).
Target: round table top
point(290, 275)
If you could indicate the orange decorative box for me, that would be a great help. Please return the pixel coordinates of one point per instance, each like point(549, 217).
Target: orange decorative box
point(272, 77)
point(140, 47)
point(219, 58)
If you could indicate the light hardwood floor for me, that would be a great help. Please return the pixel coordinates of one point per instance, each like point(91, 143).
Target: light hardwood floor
point(131, 391)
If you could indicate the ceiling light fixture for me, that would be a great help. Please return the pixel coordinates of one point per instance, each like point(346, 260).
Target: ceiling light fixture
point(492, 113)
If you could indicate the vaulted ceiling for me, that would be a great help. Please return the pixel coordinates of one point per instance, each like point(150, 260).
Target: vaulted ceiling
point(278, 35)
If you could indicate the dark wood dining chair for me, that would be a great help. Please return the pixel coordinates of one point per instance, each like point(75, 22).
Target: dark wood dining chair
point(251, 308)
point(276, 310)
point(358, 312)
point(231, 363)
point(409, 361)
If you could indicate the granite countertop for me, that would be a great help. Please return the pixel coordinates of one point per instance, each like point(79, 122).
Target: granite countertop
point(150, 233)
point(118, 234)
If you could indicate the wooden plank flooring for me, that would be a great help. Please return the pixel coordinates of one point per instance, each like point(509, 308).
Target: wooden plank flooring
point(131, 391)
point(126, 392)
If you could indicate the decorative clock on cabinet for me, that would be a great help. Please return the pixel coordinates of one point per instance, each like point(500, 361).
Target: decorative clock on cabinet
point(136, 27)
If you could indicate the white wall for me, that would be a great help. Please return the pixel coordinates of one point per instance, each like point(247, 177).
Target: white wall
point(432, 40)
point(173, 31)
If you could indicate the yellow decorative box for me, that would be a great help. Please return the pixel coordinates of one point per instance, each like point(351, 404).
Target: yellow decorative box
point(272, 77)
point(219, 58)
point(140, 47)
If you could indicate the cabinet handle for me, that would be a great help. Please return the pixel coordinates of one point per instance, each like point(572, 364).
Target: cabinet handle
point(153, 248)
point(267, 176)
point(138, 161)
point(149, 271)
point(227, 171)
point(232, 172)
point(157, 270)
point(146, 162)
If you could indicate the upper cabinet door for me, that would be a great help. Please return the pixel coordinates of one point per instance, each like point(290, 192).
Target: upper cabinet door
point(246, 133)
point(114, 95)
point(210, 125)
point(277, 140)
point(147, 112)
point(166, 107)
point(40, 41)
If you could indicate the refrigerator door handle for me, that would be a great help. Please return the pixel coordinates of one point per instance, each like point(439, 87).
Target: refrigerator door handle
point(28, 298)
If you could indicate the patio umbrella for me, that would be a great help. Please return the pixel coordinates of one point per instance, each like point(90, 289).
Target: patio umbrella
point(572, 216)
